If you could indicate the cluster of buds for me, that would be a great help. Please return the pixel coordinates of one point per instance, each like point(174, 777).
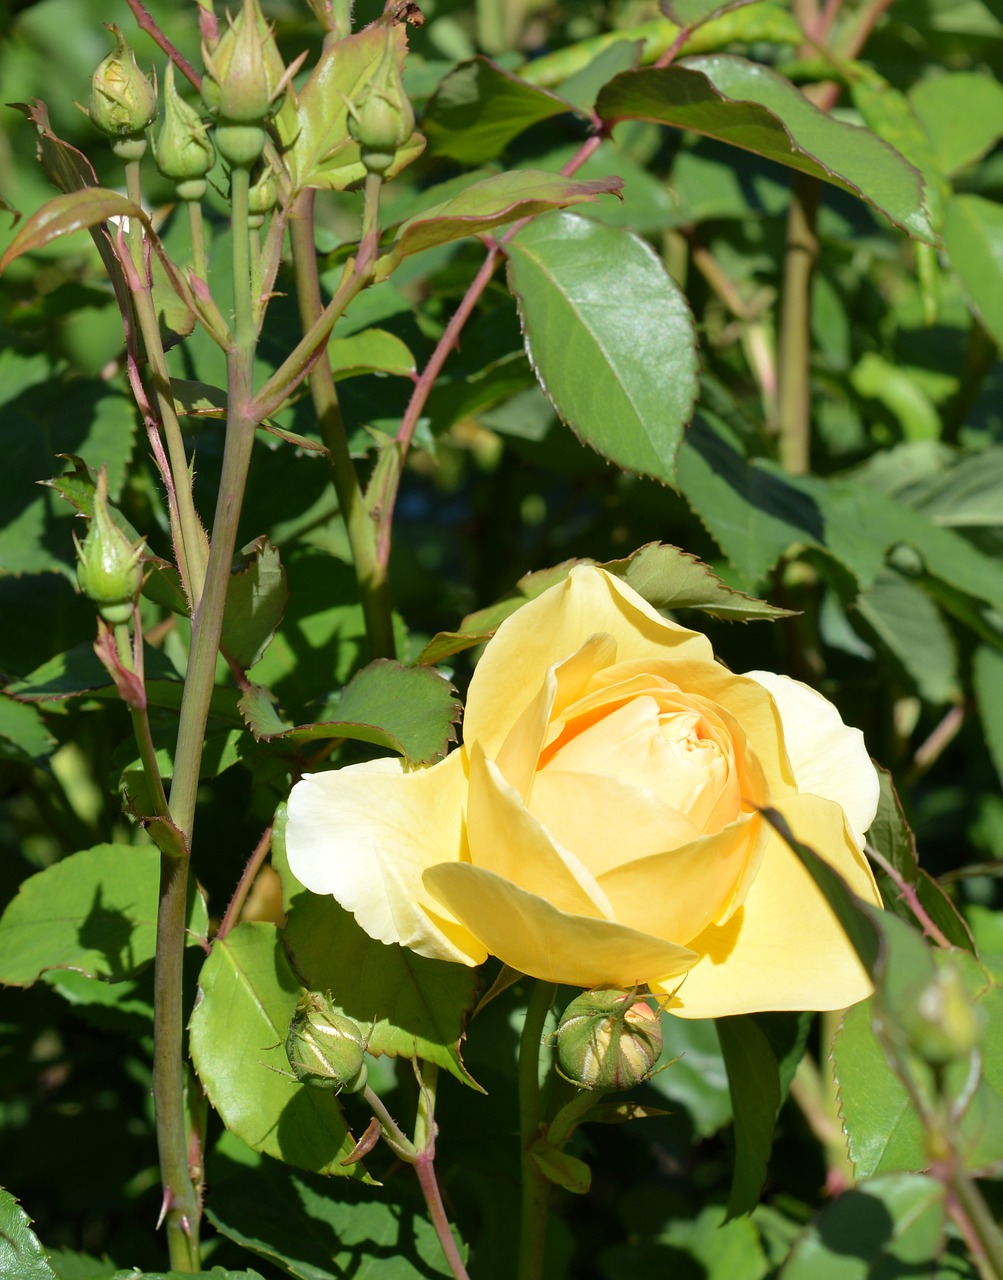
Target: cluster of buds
point(325, 1049)
point(608, 1038)
point(109, 569)
point(123, 100)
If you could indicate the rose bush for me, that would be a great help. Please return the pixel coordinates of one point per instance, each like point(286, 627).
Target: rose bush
point(600, 822)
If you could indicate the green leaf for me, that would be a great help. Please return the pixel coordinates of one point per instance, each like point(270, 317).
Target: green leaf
point(694, 13)
point(256, 598)
point(754, 1083)
point(74, 211)
point(410, 710)
point(749, 106)
point(217, 1273)
point(987, 676)
point(69, 1264)
point(962, 115)
point(973, 238)
point(247, 998)
point(910, 625)
point(318, 148)
point(672, 579)
point(95, 911)
point(709, 1246)
point(371, 351)
point(80, 671)
point(623, 377)
point(315, 1229)
point(890, 834)
point(406, 1004)
point(23, 735)
point(893, 1225)
point(21, 1255)
point(492, 202)
point(478, 109)
point(562, 1169)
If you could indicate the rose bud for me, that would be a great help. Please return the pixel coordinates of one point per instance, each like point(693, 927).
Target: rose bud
point(608, 1039)
point(324, 1048)
point(245, 73)
point(261, 197)
point(123, 99)
point(109, 570)
point(381, 119)
point(183, 150)
point(944, 1024)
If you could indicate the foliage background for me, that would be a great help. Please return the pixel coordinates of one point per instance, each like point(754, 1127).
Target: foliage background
point(889, 549)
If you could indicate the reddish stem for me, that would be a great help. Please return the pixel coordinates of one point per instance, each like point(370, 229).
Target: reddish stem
point(244, 884)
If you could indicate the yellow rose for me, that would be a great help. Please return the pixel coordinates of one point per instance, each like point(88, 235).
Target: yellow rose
point(600, 823)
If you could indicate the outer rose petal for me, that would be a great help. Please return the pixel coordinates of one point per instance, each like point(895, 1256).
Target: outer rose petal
point(546, 630)
point(365, 834)
point(828, 757)
point(529, 934)
point(784, 949)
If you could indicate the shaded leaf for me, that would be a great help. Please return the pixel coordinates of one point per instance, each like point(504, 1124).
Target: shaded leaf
point(973, 238)
point(406, 1004)
point(987, 674)
point(23, 735)
point(95, 911)
point(623, 377)
point(371, 351)
point(754, 1083)
point(890, 833)
point(247, 998)
point(256, 597)
point(479, 108)
point(562, 1169)
point(74, 211)
point(910, 625)
point(747, 105)
point(962, 114)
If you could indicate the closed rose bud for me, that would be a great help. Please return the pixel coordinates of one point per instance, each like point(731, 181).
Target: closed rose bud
point(123, 100)
point(381, 118)
point(109, 570)
point(324, 1048)
point(183, 150)
point(944, 1024)
point(261, 197)
point(245, 73)
point(608, 1038)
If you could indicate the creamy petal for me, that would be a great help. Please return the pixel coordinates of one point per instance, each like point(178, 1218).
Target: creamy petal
point(366, 833)
point(505, 838)
point(829, 758)
point(557, 623)
point(678, 893)
point(784, 949)
point(603, 820)
point(532, 936)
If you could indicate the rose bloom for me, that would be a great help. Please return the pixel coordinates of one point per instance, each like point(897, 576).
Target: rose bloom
point(601, 824)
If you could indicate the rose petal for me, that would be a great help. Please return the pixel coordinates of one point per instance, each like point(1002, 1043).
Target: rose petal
point(602, 820)
point(678, 893)
point(506, 839)
point(557, 623)
point(532, 936)
point(784, 949)
point(366, 832)
point(829, 758)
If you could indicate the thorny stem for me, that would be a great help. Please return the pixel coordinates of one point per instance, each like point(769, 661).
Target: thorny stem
point(424, 1167)
point(972, 1214)
point(197, 231)
point(535, 1187)
point(909, 895)
point(145, 22)
point(132, 659)
point(374, 587)
point(236, 904)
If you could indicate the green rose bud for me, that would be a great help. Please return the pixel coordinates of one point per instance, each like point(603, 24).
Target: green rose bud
point(608, 1038)
point(944, 1024)
point(245, 75)
point(381, 118)
point(123, 99)
point(183, 150)
point(324, 1048)
point(109, 570)
point(261, 197)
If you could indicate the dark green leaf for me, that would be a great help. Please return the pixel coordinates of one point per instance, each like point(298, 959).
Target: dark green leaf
point(699, 1080)
point(95, 911)
point(910, 625)
point(314, 1229)
point(623, 377)
point(23, 735)
point(754, 1083)
point(987, 674)
point(973, 238)
point(247, 998)
point(562, 1169)
point(693, 13)
point(750, 106)
point(890, 834)
point(21, 1255)
point(256, 597)
point(404, 1003)
point(479, 108)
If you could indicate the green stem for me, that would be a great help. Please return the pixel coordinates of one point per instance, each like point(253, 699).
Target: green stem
point(196, 228)
point(794, 355)
point(189, 538)
point(393, 1134)
point(373, 581)
point(181, 1199)
point(140, 717)
point(571, 1115)
point(424, 1167)
point(535, 1186)
point(980, 1224)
